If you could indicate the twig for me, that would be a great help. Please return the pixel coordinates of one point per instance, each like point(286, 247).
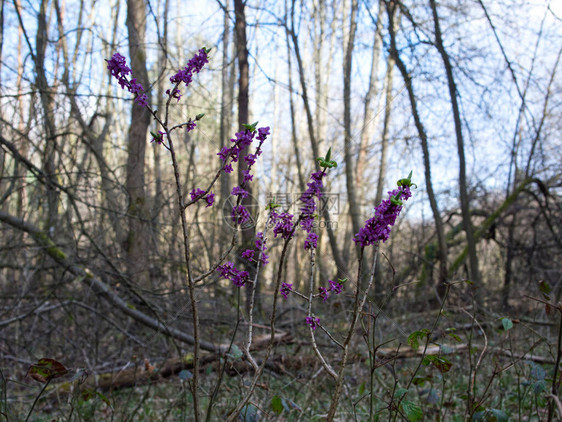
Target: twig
point(325, 364)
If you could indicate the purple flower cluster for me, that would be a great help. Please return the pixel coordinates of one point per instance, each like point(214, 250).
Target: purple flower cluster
point(311, 241)
point(240, 214)
point(158, 137)
point(308, 208)
point(243, 140)
point(260, 246)
point(286, 289)
point(194, 65)
point(197, 194)
point(323, 292)
point(283, 224)
point(312, 322)
point(378, 227)
point(237, 190)
point(190, 125)
point(335, 287)
point(117, 65)
point(230, 272)
point(231, 155)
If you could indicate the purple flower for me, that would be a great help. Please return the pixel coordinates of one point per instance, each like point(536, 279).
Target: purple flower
point(241, 141)
point(190, 126)
point(312, 322)
point(158, 138)
point(135, 88)
point(286, 289)
point(117, 65)
point(260, 243)
point(237, 190)
point(142, 100)
point(323, 293)
point(240, 278)
point(335, 287)
point(240, 214)
point(250, 159)
point(224, 153)
point(310, 241)
point(283, 224)
point(174, 93)
point(193, 65)
point(210, 199)
point(378, 227)
point(248, 254)
point(307, 223)
point(230, 272)
point(262, 133)
point(197, 194)
point(248, 177)
point(308, 208)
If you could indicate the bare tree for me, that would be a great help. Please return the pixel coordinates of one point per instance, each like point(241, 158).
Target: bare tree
point(406, 76)
point(138, 239)
point(463, 189)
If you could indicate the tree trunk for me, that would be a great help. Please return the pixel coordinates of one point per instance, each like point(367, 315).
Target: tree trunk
point(46, 97)
point(226, 108)
point(388, 84)
point(369, 118)
point(463, 190)
point(354, 211)
point(138, 238)
point(248, 233)
point(391, 9)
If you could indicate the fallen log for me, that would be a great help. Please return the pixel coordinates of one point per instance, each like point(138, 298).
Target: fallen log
point(145, 372)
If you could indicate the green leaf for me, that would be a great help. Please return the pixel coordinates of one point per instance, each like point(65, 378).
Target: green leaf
point(395, 201)
point(407, 181)
point(362, 388)
point(457, 338)
point(537, 371)
point(412, 411)
point(419, 380)
point(87, 394)
point(46, 369)
point(199, 116)
point(544, 287)
point(414, 338)
point(441, 363)
point(539, 386)
point(491, 415)
point(328, 154)
point(507, 324)
point(252, 127)
point(235, 352)
point(400, 392)
point(277, 404)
